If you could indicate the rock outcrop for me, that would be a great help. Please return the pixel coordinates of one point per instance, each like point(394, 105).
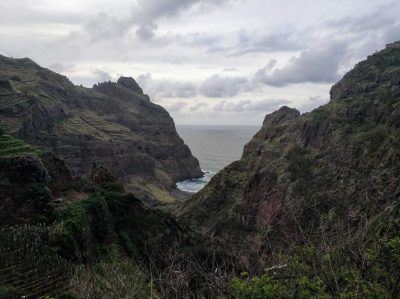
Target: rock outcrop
point(332, 172)
point(113, 124)
point(131, 84)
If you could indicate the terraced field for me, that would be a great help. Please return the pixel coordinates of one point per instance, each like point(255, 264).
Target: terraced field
point(10, 146)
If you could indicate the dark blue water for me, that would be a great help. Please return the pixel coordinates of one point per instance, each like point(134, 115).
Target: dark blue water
point(215, 147)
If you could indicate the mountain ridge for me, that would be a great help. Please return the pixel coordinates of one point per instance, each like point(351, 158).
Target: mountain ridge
point(113, 123)
point(334, 167)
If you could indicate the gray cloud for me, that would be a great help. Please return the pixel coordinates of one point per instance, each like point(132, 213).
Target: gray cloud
point(146, 10)
point(101, 76)
point(251, 42)
point(262, 106)
point(230, 69)
point(197, 39)
point(59, 67)
point(366, 32)
point(392, 33)
point(312, 103)
point(34, 12)
point(222, 87)
point(215, 86)
point(198, 107)
point(176, 107)
point(381, 17)
point(93, 77)
point(146, 32)
point(106, 26)
point(143, 16)
point(160, 35)
point(318, 65)
point(166, 88)
point(261, 73)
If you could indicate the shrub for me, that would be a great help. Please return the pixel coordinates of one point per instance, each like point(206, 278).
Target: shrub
point(112, 277)
point(258, 287)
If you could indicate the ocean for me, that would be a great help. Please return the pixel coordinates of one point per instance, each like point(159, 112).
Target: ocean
point(215, 147)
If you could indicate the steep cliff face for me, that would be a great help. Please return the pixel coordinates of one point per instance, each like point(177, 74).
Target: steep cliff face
point(114, 124)
point(332, 172)
point(59, 225)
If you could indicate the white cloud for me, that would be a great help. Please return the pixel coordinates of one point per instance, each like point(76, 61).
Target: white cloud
point(101, 75)
point(312, 103)
point(382, 16)
point(198, 106)
point(175, 107)
point(260, 106)
point(318, 65)
point(162, 88)
point(222, 87)
point(146, 32)
point(144, 16)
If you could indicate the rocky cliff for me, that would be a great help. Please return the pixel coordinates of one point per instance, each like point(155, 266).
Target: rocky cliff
point(113, 124)
point(333, 173)
point(54, 226)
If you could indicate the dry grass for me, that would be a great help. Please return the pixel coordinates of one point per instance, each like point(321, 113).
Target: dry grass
point(117, 277)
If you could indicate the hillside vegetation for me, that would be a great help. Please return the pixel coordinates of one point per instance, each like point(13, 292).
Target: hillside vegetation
point(87, 237)
point(316, 197)
point(311, 210)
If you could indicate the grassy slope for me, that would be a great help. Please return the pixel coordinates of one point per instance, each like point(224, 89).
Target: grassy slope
point(10, 146)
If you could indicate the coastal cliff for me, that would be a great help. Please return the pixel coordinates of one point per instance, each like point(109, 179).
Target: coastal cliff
point(332, 172)
point(112, 124)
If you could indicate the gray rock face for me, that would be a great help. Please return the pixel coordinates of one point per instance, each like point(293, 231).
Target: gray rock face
point(113, 124)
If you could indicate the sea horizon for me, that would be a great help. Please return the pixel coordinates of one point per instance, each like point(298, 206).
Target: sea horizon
point(215, 146)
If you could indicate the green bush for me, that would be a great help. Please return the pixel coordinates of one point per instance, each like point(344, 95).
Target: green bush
point(83, 222)
point(328, 272)
point(394, 250)
point(258, 287)
point(265, 286)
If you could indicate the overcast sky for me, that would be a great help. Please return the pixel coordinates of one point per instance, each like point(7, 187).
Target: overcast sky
point(207, 62)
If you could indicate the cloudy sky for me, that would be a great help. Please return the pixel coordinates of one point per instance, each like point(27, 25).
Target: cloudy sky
point(223, 62)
